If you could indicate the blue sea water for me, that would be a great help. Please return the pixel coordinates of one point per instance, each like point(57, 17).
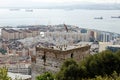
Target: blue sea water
point(78, 17)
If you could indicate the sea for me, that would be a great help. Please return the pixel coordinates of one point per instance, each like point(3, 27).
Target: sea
point(78, 17)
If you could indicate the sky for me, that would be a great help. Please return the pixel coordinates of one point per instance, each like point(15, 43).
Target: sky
point(9, 3)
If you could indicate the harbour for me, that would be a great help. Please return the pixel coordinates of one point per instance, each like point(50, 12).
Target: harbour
point(78, 17)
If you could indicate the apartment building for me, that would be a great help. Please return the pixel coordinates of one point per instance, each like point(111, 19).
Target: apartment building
point(34, 31)
point(11, 34)
point(7, 34)
point(68, 35)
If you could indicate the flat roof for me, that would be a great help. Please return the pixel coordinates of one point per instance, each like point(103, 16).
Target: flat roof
point(18, 75)
point(113, 45)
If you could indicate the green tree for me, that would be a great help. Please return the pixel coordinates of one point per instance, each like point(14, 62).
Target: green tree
point(114, 76)
point(99, 66)
point(4, 74)
point(104, 63)
point(68, 71)
point(45, 76)
point(3, 51)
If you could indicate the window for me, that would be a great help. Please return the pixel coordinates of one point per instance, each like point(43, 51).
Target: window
point(71, 55)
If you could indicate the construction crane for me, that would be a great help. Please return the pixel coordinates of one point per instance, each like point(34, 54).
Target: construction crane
point(66, 27)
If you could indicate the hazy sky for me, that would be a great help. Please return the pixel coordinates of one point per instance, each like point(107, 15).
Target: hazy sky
point(34, 2)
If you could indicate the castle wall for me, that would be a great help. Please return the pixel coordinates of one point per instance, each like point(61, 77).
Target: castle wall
point(51, 60)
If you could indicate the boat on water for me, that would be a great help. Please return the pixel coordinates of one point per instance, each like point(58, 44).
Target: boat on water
point(14, 9)
point(29, 10)
point(68, 9)
point(115, 16)
point(98, 18)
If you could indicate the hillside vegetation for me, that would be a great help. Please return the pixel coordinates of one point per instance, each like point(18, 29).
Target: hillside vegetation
point(101, 66)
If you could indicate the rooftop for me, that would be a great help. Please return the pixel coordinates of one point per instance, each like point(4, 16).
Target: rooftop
point(113, 45)
point(19, 76)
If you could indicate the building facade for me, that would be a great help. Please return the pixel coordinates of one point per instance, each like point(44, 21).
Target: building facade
point(11, 34)
point(70, 36)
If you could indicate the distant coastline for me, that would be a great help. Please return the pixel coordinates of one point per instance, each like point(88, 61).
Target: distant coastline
point(79, 17)
point(90, 6)
point(39, 26)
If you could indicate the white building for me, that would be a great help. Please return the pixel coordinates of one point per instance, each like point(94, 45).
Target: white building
point(103, 45)
point(19, 76)
point(69, 35)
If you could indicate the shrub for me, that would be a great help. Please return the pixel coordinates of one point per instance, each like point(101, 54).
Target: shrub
point(45, 76)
